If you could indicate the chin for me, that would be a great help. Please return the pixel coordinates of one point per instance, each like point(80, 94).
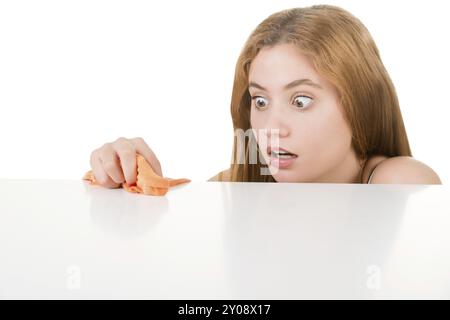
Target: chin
point(284, 175)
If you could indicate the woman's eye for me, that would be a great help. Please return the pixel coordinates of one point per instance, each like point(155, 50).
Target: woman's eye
point(301, 102)
point(257, 100)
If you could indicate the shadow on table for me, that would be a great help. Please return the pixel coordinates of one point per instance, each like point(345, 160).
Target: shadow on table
point(119, 212)
point(315, 241)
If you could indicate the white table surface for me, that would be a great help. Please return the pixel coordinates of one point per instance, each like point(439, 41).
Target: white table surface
point(66, 239)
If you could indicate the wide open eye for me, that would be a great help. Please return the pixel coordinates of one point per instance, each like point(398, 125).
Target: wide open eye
point(302, 102)
point(259, 100)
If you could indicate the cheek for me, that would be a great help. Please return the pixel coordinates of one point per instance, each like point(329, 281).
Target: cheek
point(256, 122)
point(328, 140)
point(254, 119)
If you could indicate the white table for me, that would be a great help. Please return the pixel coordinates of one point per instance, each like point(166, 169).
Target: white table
point(66, 239)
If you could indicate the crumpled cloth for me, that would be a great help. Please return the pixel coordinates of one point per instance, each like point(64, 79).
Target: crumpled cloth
point(147, 181)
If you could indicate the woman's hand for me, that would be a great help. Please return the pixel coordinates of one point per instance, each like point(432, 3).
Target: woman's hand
point(115, 162)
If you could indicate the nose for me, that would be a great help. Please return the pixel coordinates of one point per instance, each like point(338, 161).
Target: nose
point(276, 127)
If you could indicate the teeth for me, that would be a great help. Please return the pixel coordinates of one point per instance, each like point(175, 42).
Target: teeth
point(282, 154)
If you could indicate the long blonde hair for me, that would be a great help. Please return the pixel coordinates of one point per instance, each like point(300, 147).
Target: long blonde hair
point(343, 51)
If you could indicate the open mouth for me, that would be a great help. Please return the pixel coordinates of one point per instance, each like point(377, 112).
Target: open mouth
point(280, 153)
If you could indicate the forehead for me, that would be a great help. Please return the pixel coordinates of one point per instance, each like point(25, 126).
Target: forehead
point(276, 66)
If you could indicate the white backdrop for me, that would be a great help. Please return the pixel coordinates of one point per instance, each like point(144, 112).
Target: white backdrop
point(77, 74)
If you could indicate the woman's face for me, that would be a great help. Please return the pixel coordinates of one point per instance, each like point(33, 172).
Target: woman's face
point(308, 117)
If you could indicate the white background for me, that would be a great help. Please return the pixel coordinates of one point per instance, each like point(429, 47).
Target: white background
point(77, 74)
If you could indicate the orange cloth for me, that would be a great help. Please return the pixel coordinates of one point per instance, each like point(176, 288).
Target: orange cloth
point(147, 181)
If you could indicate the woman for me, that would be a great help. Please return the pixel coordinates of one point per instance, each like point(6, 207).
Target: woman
point(313, 99)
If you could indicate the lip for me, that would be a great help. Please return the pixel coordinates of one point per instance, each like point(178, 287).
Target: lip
point(282, 163)
point(269, 150)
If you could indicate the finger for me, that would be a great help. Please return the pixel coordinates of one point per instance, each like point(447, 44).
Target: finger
point(143, 149)
point(127, 156)
point(111, 163)
point(99, 173)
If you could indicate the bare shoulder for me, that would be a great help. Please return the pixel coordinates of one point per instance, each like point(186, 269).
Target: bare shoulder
point(404, 170)
point(371, 164)
point(223, 176)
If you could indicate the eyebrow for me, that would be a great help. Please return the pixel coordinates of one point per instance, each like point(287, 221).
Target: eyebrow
point(293, 84)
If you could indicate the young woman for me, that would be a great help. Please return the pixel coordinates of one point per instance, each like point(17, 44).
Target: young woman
point(312, 80)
